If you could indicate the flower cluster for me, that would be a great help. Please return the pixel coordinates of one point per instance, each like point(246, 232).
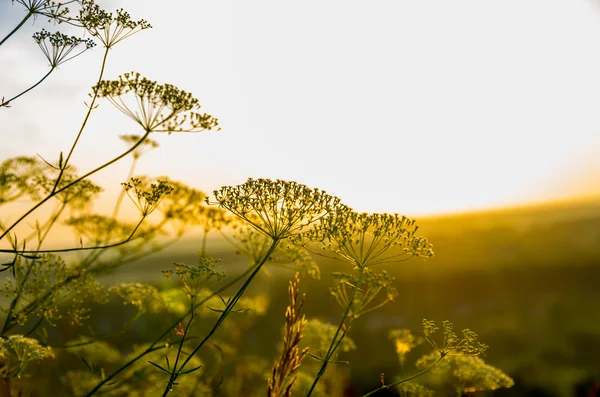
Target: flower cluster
point(145, 298)
point(16, 351)
point(146, 198)
point(359, 291)
point(277, 209)
point(369, 239)
point(194, 277)
point(155, 107)
point(110, 29)
point(47, 8)
point(405, 341)
point(17, 178)
point(452, 344)
point(57, 47)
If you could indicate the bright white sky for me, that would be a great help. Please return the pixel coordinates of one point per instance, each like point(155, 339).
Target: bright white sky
point(412, 107)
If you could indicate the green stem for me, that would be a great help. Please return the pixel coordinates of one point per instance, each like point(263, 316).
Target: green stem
point(386, 387)
point(153, 347)
point(332, 346)
point(123, 191)
point(76, 181)
point(27, 90)
point(83, 124)
point(223, 315)
point(29, 14)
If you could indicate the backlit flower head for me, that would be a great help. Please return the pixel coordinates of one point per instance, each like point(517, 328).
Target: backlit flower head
point(146, 197)
point(47, 8)
point(155, 107)
point(451, 343)
point(110, 29)
point(59, 48)
point(368, 239)
point(277, 209)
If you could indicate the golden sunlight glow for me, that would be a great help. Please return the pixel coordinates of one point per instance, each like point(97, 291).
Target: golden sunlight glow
point(410, 107)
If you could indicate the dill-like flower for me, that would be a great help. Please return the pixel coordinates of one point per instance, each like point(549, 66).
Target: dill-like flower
point(146, 145)
point(368, 239)
point(50, 9)
point(108, 28)
point(145, 298)
point(57, 47)
point(99, 229)
point(193, 278)
point(452, 344)
point(17, 178)
point(277, 209)
point(469, 374)
point(318, 336)
point(359, 291)
point(16, 351)
point(146, 198)
point(155, 107)
point(76, 196)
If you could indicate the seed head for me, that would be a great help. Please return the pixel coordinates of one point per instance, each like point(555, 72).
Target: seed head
point(155, 107)
point(58, 48)
point(277, 209)
point(110, 29)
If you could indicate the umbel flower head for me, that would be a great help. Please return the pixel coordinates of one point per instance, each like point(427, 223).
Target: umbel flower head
point(106, 27)
point(146, 197)
point(47, 8)
point(58, 48)
point(155, 107)
point(277, 209)
point(368, 239)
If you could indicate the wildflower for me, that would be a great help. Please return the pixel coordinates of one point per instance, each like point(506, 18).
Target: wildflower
point(160, 107)
point(179, 330)
point(145, 298)
point(17, 178)
point(57, 47)
point(50, 9)
point(277, 209)
point(193, 278)
point(468, 374)
point(452, 344)
point(146, 198)
point(363, 239)
point(110, 29)
point(17, 351)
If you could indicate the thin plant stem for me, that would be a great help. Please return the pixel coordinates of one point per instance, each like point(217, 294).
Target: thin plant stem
point(332, 346)
point(153, 346)
point(123, 191)
point(29, 14)
point(386, 387)
point(8, 101)
point(232, 302)
point(52, 194)
point(83, 124)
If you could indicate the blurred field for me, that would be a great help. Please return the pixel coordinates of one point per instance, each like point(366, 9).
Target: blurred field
point(527, 280)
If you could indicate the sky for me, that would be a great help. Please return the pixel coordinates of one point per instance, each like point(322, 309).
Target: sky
point(415, 107)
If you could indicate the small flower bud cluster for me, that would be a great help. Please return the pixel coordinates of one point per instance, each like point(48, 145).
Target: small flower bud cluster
point(452, 344)
point(194, 277)
point(277, 209)
point(18, 178)
point(16, 351)
point(147, 198)
point(57, 47)
point(50, 9)
point(160, 107)
point(105, 26)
